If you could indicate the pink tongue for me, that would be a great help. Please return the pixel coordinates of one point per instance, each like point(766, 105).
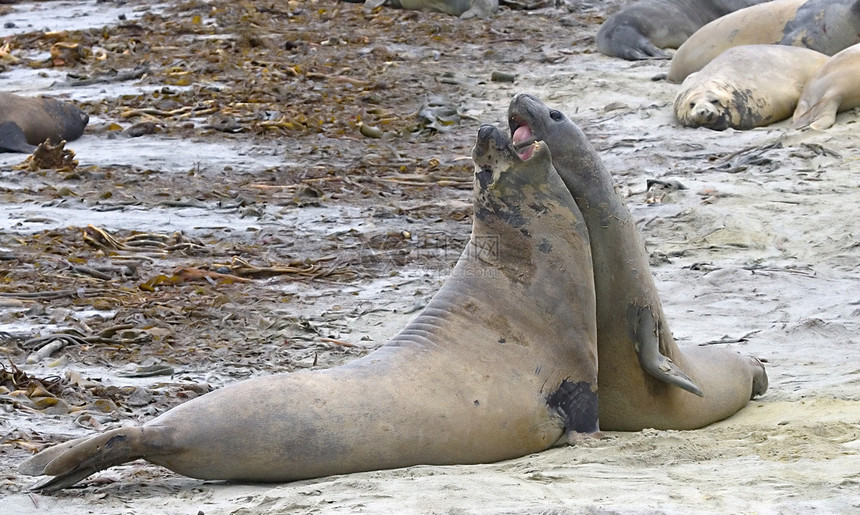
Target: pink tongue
point(523, 133)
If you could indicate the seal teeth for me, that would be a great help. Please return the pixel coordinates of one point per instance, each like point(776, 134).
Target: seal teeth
point(528, 151)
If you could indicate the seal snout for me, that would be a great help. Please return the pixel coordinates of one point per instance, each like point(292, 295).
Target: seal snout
point(489, 139)
point(704, 112)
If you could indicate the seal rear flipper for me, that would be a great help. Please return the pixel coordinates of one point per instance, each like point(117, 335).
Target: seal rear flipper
point(628, 43)
point(820, 116)
point(760, 381)
point(644, 330)
point(74, 460)
point(13, 139)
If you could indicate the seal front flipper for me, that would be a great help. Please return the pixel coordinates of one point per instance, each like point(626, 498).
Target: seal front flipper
point(13, 139)
point(645, 332)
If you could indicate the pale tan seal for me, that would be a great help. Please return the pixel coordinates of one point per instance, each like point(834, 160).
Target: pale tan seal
point(644, 29)
point(834, 88)
point(743, 89)
point(501, 363)
point(27, 121)
point(645, 379)
point(826, 26)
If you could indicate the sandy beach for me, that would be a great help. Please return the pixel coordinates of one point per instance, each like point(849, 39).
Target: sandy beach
point(760, 253)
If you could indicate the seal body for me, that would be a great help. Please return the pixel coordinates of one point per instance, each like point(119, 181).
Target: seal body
point(501, 363)
point(826, 26)
point(835, 87)
point(27, 121)
point(642, 30)
point(645, 379)
point(743, 89)
point(461, 8)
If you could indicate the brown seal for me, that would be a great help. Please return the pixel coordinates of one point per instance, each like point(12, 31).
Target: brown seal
point(27, 121)
point(741, 89)
point(642, 30)
point(834, 88)
point(501, 363)
point(645, 379)
point(826, 26)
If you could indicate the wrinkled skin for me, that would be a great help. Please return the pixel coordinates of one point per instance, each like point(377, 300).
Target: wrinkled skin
point(645, 379)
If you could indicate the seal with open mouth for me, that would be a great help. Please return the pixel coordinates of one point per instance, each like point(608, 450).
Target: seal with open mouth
point(645, 379)
point(501, 363)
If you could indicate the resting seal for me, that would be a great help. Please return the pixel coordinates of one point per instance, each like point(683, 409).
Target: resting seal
point(742, 89)
point(461, 8)
point(501, 363)
point(27, 121)
point(834, 88)
point(644, 379)
point(826, 26)
point(643, 29)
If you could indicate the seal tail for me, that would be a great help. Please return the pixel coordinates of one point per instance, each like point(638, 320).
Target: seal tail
point(74, 460)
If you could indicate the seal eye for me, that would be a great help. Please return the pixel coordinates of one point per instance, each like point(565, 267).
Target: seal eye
point(556, 115)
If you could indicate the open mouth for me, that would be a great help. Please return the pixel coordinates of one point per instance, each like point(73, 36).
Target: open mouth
point(522, 139)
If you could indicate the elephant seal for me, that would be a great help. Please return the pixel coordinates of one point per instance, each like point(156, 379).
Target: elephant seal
point(501, 363)
point(835, 87)
point(826, 26)
point(462, 8)
point(27, 121)
point(642, 30)
point(740, 88)
point(644, 379)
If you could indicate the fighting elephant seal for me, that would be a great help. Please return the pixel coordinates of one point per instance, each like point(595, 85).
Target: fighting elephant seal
point(27, 121)
point(835, 87)
point(826, 26)
point(642, 30)
point(501, 363)
point(461, 8)
point(644, 378)
point(742, 89)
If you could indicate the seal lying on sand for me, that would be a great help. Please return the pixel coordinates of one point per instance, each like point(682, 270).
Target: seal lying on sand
point(826, 26)
point(642, 30)
point(835, 87)
point(644, 379)
point(743, 89)
point(501, 363)
point(461, 8)
point(27, 121)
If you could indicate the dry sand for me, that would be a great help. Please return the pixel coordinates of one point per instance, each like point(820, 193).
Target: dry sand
point(761, 253)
